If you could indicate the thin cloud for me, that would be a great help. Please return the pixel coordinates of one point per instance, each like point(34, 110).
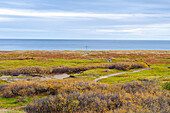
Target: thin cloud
point(3, 19)
point(113, 30)
point(45, 14)
point(33, 13)
point(132, 30)
point(17, 3)
point(23, 30)
point(139, 26)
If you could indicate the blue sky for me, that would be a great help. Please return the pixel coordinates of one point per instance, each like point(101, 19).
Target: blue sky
point(85, 19)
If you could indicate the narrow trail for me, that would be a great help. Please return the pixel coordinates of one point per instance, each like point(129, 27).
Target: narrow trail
point(107, 76)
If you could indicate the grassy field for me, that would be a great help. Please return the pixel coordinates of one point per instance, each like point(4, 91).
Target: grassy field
point(18, 59)
point(127, 92)
point(161, 73)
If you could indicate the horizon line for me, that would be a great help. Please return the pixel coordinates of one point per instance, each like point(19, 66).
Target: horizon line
point(83, 39)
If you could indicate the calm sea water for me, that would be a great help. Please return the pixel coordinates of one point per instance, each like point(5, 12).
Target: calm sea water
point(41, 44)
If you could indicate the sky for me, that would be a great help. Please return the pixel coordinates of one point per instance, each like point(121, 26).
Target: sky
point(85, 19)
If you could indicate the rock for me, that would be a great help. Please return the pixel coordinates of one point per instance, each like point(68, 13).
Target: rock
point(35, 75)
point(4, 79)
point(15, 75)
point(109, 60)
point(61, 76)
point(143, 79)
point(166, 77)
point(77, 73)
point(27, 58)
point(86, 54)
point(71, 76)
point(90, 59)
point(22, 75)
point(28, 79)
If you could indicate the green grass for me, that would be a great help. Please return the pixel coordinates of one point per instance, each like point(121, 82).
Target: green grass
point(98, 72)
point(157, 72)
point(3, 81)
point(10, 102)
point(14, 102)
point(166, 86)
point(13, 64)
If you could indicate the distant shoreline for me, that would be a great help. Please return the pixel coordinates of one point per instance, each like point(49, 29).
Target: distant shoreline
point(86, 39)
point(82, 50)
point(74, 45)
point(137, 50)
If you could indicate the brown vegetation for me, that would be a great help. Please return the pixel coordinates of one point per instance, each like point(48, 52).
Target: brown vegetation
point(51, 70)
point(84, 96)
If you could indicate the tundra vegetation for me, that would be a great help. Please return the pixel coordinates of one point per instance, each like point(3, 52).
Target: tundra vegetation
point(22, 88)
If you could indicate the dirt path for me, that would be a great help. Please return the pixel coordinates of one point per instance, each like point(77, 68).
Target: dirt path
point(10, 111)
point(119, 74)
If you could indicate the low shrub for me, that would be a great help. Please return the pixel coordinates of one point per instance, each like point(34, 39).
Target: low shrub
point(50, 70)
point(129, 97)
point(72, 95)
point(127, 66)
point(47, 87)
point(29, 88)
point(76, 102)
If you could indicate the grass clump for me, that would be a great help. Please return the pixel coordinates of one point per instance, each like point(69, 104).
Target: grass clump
point(3, 81)
point(166, 86)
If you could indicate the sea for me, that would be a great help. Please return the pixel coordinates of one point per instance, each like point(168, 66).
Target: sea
point(73, 45)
